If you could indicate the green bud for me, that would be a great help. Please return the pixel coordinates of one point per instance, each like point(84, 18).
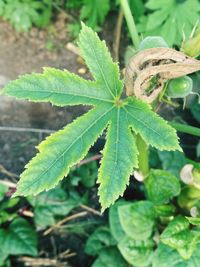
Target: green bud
point(191, 47)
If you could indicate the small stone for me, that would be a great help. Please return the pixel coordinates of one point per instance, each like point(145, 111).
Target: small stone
point(82, 70)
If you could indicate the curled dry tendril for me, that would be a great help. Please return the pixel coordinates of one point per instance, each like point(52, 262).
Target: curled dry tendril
point(161, 63)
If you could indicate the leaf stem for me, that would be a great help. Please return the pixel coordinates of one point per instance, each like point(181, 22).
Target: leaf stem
point(184, 128)
point(143, 157)
point(131, 23)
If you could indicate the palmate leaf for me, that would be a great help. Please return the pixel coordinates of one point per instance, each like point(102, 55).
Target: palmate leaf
point(66, 147)
point(169, 19)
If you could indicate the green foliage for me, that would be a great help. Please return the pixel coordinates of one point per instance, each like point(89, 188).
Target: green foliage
point(3, 190)
point(172, 161)
point(100, 239)
point(52, 204)
point(137, 219)
point(109, 258)
point(137, 252)
point(67, 147)
point(94, 12)
point(166, 256)
point(161, 186)
point(152, 42)
point(195, 109)
point(169, 19)
point(23, 14)
point(18, 239)
point(178, 236)
point(114, 221)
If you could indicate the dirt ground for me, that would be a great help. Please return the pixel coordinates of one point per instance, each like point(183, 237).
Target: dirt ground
point(26, 53)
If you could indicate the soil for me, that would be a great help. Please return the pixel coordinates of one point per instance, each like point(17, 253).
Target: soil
point(27, 53)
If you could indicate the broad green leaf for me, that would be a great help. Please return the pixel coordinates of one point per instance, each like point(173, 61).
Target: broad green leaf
point(168, 257)
point(152, 42)
point(62, 150)
point(67, 147)
point(19, 239)
point(94, 12)
point(169, 19)
point(137, 219)
point(4, 253)
point(195, 109)
point(99, 61)
point(114, 222)
point(119, 159)
point(178, 236)
point(161, 186)
point(3, 190)
point(48, 205)
point(137, 252)
point(150, 126)
point(100, 239)
point(194, 220)
point(110, 257)
point(165, 210)
point(59, 87)
point(172, 161)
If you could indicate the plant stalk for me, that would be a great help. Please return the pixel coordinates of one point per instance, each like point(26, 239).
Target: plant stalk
point(143, 157)
point(131, 23)
point(184, 128)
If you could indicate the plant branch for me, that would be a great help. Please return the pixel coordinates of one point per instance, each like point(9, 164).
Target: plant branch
point(67, 219)
point(131, 23)
point(117, 35)
point(184, 128)
point(143, 157)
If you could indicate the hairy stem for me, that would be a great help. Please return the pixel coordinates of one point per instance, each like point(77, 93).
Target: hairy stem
point(184, 128)
point(131, 23)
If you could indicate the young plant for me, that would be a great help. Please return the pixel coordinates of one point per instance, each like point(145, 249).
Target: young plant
point(124, 118)
point(170, 19)
point(24, 14)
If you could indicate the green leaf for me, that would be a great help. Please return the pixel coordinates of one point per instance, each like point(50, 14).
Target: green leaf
point(48, 205)
point(19, 239)
point(161, 186)
point(110, 257)
point(3, 190)
point(154, 130)
point(168, 257)
point(99, 61)
point(114, 222)
point(137, 219)
point(58, 87)
point(172, 161)
point(170, 18)
point(137, 252)
point(119, 159)
point(62, 150)
point(194, 220)
point(195, 109)
point(94, 12)
point(178, 236)
point(165, 210)
point(152, 42)
point(100, 239)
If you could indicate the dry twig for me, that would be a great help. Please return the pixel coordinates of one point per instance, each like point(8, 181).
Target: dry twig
point(67, 219)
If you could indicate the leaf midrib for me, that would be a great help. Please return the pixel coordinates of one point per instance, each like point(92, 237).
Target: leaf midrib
point(52, 164)
point(102, 73)
point(65, 93)
point(144, 124)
